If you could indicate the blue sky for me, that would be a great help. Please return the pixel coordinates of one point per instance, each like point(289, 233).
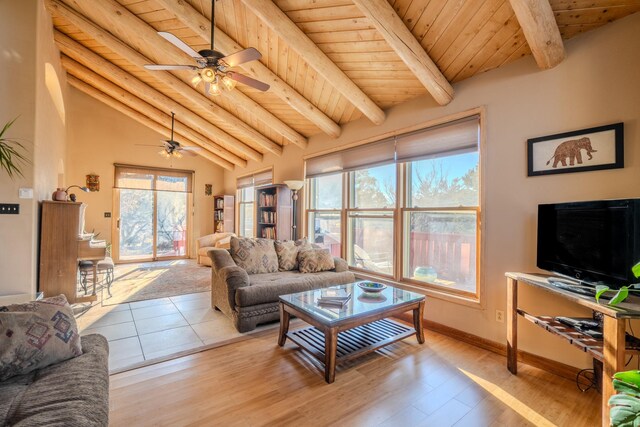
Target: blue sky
point(456, 166)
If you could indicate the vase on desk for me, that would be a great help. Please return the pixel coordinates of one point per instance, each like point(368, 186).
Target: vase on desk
point(59, 195)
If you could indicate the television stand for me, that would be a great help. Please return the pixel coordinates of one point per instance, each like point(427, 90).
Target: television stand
point(610, 350)
point(572, 286)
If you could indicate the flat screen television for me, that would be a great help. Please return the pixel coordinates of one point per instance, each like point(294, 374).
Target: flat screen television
point(597, 241)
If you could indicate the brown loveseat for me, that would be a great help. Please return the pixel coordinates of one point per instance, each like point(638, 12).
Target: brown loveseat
point(251, 299)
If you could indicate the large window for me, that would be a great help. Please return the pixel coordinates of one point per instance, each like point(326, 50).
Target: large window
point(324, 216)
point(411, 209)
point(245, 196)
point(371, 218)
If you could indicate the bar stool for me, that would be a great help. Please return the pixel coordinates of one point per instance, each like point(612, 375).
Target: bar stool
point(104, 267)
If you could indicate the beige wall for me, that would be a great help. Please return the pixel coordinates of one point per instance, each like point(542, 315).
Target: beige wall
point(597, 84)
point(26, 46)
point(99, 136)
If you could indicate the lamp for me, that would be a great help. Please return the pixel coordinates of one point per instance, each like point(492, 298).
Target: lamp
point(294, 186)
point(72, 197)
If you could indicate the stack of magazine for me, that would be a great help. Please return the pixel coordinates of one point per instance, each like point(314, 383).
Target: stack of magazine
point(334, 298)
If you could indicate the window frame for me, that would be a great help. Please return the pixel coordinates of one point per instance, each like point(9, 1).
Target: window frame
point(400, 214)
point(309, 211)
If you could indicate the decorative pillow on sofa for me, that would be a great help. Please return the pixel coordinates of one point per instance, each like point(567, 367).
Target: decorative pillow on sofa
point(287, 251)
point(254, 255)
point(315, 260)
point(35, 335)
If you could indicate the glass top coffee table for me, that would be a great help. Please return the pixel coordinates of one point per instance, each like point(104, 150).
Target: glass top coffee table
point(361, 326)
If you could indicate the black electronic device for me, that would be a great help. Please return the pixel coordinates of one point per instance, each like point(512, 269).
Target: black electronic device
point(596, 241)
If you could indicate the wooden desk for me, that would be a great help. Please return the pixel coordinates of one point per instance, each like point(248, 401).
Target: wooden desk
point(611, 350)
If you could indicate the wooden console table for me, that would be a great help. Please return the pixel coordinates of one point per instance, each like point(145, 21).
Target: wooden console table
point(610, 350)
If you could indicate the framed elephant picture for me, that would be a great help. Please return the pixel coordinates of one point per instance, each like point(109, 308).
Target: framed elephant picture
point(578, 151)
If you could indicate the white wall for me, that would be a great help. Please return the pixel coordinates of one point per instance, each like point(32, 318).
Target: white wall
point(26, 46)
point(597, 84)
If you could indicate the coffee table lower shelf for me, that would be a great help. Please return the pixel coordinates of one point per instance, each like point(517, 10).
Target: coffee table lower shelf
point(353, 342)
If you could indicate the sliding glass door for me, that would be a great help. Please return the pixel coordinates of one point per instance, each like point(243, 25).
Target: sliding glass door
point(152, 211)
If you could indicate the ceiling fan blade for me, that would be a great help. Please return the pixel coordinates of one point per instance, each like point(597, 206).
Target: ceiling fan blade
point(190, 148)
point(188, 153)
point(179, 44)
point(246, 80)
point(156, 67)
point(250, 54)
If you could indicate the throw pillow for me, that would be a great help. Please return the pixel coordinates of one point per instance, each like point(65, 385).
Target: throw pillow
point(287, 251)
point(35, 335)
point(315, 260)
point(254, 255)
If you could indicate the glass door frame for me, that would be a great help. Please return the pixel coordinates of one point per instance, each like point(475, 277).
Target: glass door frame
point(115, 231)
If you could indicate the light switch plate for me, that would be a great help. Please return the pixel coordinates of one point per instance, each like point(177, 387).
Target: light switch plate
point(9, 209)
point(25, 193)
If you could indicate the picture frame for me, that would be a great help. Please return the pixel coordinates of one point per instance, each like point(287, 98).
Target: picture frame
point(584, 150)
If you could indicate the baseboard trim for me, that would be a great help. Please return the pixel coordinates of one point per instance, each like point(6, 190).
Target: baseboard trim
point(552, 366)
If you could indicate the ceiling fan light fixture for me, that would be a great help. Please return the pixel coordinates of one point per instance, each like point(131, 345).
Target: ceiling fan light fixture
point(195, 81)
point(228, 82)
point(215, 89)
point(164, 153)
point(208, 75)
point(176, 154)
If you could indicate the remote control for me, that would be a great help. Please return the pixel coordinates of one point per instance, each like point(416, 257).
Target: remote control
point(593, 333)
point(590, 324)
point(569, 321)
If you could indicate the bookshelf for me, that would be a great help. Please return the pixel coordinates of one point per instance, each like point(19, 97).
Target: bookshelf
point(273, 212)
point(223, 214)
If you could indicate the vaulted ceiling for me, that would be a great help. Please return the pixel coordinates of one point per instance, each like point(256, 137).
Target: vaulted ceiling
point(328, 61)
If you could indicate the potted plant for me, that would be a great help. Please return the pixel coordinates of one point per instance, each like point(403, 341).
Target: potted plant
point(10, 153)
point(625, 406)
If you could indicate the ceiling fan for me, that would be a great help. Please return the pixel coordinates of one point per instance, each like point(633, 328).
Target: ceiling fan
point(213, 68)
point(172, 148)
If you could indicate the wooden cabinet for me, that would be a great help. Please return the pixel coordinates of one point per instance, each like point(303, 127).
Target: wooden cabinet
point(224, 214)
point(273, 212)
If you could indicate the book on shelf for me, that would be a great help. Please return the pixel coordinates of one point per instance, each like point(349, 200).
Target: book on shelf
point(220, 204)
point(268, 217)
point(266, 200)
point(269, 233)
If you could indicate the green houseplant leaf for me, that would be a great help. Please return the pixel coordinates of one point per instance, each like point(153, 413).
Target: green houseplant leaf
point(636, 270)
point(620, 296)
point(600, 289)
point(625, 406)
point(10, 153)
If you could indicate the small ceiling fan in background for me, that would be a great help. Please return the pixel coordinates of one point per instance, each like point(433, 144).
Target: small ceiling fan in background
point(213, 68)
point(172, 148)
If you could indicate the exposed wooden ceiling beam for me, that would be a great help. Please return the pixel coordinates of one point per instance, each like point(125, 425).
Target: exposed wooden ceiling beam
point(143, 119)
point(217, 113)
point(79, 72)
point(125, 80)
point(144, 38)
point(316, 58)
point(199, 24)
point(398, 36)
point(541, 31)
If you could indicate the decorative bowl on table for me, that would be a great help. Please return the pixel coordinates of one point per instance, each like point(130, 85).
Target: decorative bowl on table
point(372, 287)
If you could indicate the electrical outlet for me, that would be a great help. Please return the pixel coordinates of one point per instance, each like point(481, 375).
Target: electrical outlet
point(107, 214)
point(500, 316)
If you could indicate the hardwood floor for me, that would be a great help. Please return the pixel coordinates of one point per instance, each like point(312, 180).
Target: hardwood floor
point(443, 382)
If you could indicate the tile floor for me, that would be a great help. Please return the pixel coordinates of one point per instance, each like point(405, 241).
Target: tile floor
point(146, 330)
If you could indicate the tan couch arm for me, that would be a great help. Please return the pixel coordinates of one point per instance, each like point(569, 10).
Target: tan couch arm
point(341, 265)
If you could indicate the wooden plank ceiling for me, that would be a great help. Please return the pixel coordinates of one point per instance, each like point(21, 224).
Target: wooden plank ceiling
point(461, 37)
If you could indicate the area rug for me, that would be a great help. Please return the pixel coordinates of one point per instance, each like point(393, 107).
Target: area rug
point(151, 280)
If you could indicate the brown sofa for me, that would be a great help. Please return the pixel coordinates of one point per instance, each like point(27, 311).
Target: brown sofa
point(70, 393)
point(251, 299)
